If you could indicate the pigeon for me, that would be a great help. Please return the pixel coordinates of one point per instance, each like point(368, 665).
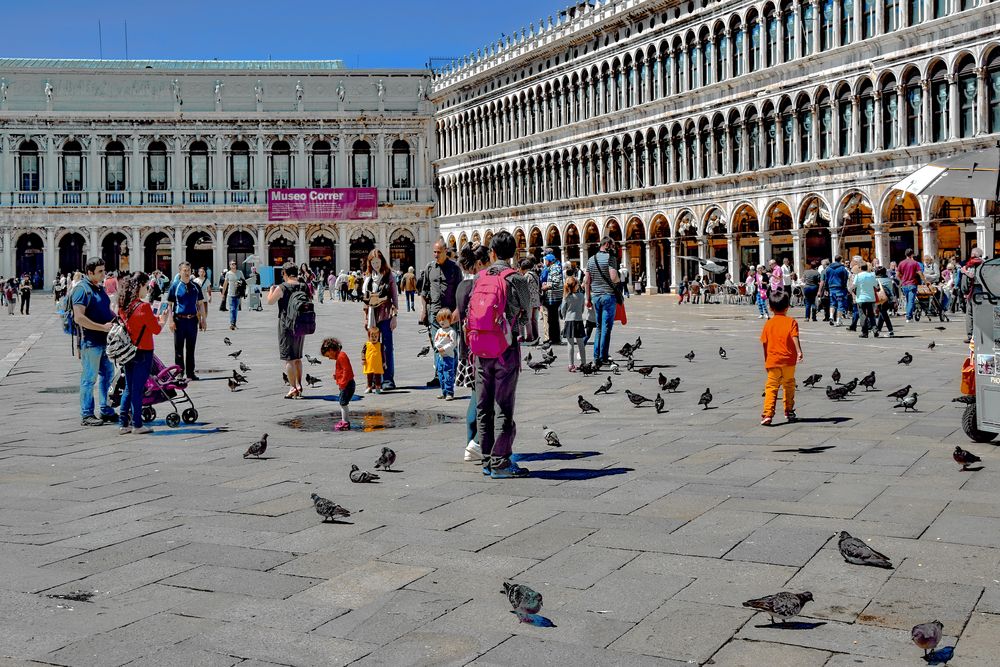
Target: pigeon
point(524, 600)
point(637, 399)
point(227, 341)
point(927, 635)
point(858, 553)
point(941, 328)
point(906, 359)
point(783, 605)
point(615, 368)
point(835, 375)
point(257, 448)
point(705, 399)
point(689, 356)
point(722, 352)
point(964, 457)
point(527, 359)
point(313, 360)
point(245, 368)
point(658, 403)
point(426, 349)
point(899, 393)
point(837, 394)
point(386, 460)
point(908, 402)
point(328, 509)
point(551, 439)
point(968, 400)
point(538, 366)
point(313, 381)
point(546, 345)
point(671, 385)
point(626, 351)
point(233, 384)
point(812, 380)
point(359, 476)
point(630, 365)
point(240, 379)
point(851, 386)
point(868, 381)
point(284, 376)
point(604, 388)
point(661, 379)
point(931, 345)
point(585, 405)
point(549, 357)
point(637, 344)
point(644, 371)
point(236, 354)
point(587, 368)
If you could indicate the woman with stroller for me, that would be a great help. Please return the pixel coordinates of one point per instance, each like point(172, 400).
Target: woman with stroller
point(142, 325)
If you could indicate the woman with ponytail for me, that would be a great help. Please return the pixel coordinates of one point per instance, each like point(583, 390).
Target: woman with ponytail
point(142, 325)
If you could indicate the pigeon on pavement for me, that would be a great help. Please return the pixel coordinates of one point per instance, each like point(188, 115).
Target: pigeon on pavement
point(227, 341)
point(671, 385)
point(387, 458)
point(313, 360)
point(705, 399)
point(312, 381)
point(783, 605)
point(587, 368)
point(637, 344)
point(359, 476)
point(835, 375)
point(837, 394)
point(245, 368)
point(908, 402)
point(538, 366)
point(931, 345)
point(257, 448)
point(868, 381)
point(658, 403)
point(941, 328)
point(722, 352)
point(899, 393)
point(851, 386)
point(426, 349)
point(527, 359)
point(906, 359)
point(236, 354)
point(637, 399)
point(927, 635)
point(964, 457)
point(812, 380)
point(644, 371)
point(689, 356)
point(240, 379)
point(604, 388)
point(522, 599)
point(233, 384)
point(626, 351)
point(551, 438)
point(858, 553)
point(328, 509)
point(585, 405)
point(968, 400)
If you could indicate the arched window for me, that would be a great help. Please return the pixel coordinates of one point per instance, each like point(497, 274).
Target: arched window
point(665, 64)
point(771, 37)
point(239, 166)
point(198, 166)
point(915, 11)
point(619, 87)
point(845, 118)
point(642, 93)
point(825, 125)
point(691, 158)
point(606, 87)
point(114, 167)
point(806, 29)
point(846, 22)
point(866, 123)
point(890, 11)
point(156, 166)
point(939, 104)
point(705, 150)
point(787, 119)
point(914, 108)
point(694, 63)
point(720, 145)
point(281, 165)
point(753, 147)
point(322, 165)
point(682, 81)
point(993, 89)
point(72, 166)
point(737, 32)
point(967, 94)
point(753, 25)
point(678, 153)
point(28, 167)
point(401, 165)
point(735, 130)
point(788, 17)
point(867, 18)
point(826, 19)
point(890, 114)
point(770, 139)
point(629, 79)
point(708, 73)
point(664, 151)
point(361, 157)
point(940, 8)
point(721, 46)
point(805, 123)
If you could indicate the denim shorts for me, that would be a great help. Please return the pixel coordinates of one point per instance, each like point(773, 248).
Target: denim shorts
point(347, 393)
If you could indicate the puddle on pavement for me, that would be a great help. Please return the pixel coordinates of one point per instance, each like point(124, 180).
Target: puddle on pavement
point(68, 389)
point(374, 420)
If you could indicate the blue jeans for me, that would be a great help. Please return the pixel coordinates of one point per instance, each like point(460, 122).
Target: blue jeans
point(838, 302)
point(389, 372)
point(604, 312)
point(136, 374)
point(471, 431)
point(446, 375)
point(409, 301)
point(762, 303)
point(95, 364)
point(809, 294)
point(910, 292)
point(234, 305)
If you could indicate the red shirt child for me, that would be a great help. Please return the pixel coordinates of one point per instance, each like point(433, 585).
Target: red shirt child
point(331, 348)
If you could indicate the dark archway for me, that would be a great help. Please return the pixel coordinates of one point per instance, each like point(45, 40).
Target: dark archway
point(71, 255)
point(362, 244)
point(157, 253)
point(115, 252)
point(199, 253)
point(323, 253)
point(403, 251)
point(31, 257)
point(280, 251)
point(239, 246)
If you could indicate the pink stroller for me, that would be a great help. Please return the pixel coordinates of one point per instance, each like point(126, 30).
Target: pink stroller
point(165, 384)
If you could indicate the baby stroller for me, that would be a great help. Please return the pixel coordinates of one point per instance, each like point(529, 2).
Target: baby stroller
point(165, 384)
point(928, 302)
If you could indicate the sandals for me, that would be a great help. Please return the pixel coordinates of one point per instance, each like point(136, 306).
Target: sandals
point(294, 393)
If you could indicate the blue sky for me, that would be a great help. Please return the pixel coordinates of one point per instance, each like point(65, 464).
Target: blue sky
point(372, 33)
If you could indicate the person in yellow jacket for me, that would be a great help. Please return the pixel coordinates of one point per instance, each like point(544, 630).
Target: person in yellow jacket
point(373, 363)
point(352, 283)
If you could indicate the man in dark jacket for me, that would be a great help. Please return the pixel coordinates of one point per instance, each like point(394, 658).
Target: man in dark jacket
point(437, 288)
point(835, 280)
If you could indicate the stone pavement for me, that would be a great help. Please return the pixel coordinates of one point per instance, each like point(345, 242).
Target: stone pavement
point(644, 533)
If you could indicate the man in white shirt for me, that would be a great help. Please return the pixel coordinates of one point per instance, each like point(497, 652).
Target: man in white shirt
point(231, 287)
point(786, 275)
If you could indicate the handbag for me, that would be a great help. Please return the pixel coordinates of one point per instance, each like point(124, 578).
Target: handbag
point(617, 287)
point(465, 373)
point(880, 295)
point(620, 314)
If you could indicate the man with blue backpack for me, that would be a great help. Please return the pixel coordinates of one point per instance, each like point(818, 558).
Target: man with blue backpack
point(835, 279)
point(91, 311)
point(496, 307)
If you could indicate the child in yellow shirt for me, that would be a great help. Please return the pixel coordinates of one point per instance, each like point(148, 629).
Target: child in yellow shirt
point(373, 362)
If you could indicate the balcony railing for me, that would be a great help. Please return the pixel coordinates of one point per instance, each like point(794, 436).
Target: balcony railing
point(400, 195)
point(199, 197)
point(116, 198)
point(241, 197)
point(74, 198)
point(154, 197)
point(27, 199)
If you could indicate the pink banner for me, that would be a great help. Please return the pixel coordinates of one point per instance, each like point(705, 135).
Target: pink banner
point(322, 204)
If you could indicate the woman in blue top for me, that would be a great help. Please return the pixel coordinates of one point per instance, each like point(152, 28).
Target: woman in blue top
point(864, 296)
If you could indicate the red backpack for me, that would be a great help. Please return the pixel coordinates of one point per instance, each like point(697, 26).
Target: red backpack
point(486, 328)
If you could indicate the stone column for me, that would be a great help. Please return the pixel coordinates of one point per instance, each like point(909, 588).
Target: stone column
point(178, 182)
point(420, 175)
point(343, 248)
point(881, 244)
point(735, 267)
point(797, 258)
point(855, 125)
point(301, 248)
point(952, 106)
point(342, 177)
point(260, 171)
point(260, 245)
point(7, 263)
point(814, 152)
point(877, 120)
point(94, 182)
point(879, 19)
point(925, 115)
point(49, 265)
point(94, 246)
point(675, 265)
point(817, 26)
point(301, 164)
point(219, 181)
point(834, 244)
point(929, 239)
point(135, 250)
point(584, 257)
point(51, 168)
point(837, 9)
point(135, 180)
point(764, 246)
point(218, 253)
point(650, 268)
point(7, 177)
point(176, 252)
point(982, 106)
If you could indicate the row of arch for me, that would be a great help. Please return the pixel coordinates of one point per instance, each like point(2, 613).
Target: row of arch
point(850, 117)
point(764, 35)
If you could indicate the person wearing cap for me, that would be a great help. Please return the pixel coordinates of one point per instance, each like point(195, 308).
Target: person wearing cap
point(552, 294)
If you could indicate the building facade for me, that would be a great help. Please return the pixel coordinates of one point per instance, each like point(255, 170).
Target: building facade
point(145, 163)
point(731, 129)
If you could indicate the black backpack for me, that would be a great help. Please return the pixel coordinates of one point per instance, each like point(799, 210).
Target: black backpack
point(241, 288)
point(300, 316)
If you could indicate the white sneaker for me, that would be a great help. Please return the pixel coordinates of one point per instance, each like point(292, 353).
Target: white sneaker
point(473, 452)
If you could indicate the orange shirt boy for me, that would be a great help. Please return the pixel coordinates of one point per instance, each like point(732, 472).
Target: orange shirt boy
point(782, 351)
